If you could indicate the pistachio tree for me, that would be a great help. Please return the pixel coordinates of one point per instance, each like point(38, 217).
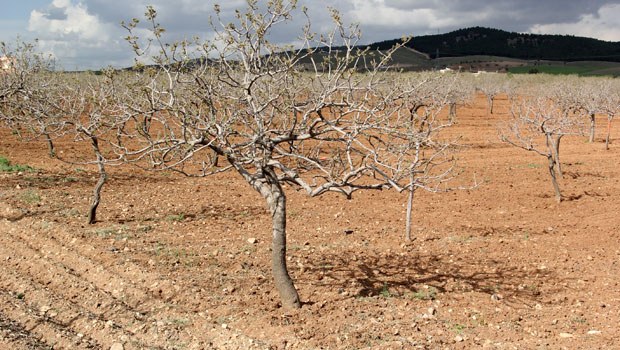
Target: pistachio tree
point(322, 117)
point(537, 123)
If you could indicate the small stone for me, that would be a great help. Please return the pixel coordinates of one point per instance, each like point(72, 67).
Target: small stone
point(458, 339)
point(348, 231)
point(566, 335)
point(432, 311)
point(496, 297)
point(594, 332)
point(538, 307)
point(224, 326)
point(117, 346)
point(252, 240)
point(590, 258)
point(45, 309)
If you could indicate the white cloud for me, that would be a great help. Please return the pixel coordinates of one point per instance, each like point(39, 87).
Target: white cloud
point(74, 36)
point(605, 25)
point(78, 23)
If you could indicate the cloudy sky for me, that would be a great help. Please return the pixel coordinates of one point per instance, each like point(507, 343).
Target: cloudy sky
point(85, 34)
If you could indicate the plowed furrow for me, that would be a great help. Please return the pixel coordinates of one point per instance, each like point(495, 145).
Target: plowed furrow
point(98, 291)
point(86, 260)
point(40, 330)
point(14, 336)
point(59, 311)
point(81, 303)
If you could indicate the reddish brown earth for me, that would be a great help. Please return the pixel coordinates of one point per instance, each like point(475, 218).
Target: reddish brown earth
point(169, 265)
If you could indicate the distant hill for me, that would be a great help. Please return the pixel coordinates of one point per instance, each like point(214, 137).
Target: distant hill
point(495, 42)
point(486, 49)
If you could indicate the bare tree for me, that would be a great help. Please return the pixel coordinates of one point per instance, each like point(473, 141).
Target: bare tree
point(588, 98)
point(609, 104)
point(323, 118)
point(90, 107)
point(40, 102)
point(537, 124)
point(491, 85)
point(427, 158)
point(24, 106)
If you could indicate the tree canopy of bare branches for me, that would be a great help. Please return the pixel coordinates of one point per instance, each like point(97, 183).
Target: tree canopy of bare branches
point(340, 124)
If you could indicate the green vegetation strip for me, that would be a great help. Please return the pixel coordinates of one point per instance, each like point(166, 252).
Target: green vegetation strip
point(7, 167)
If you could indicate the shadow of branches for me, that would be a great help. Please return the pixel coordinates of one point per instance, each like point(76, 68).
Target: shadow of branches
point(397, 274)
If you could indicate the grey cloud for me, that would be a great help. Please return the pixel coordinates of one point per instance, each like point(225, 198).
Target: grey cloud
point(510, 14)
point(54, 13)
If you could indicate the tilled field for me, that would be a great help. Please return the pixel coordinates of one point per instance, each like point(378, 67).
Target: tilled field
point(179, 263)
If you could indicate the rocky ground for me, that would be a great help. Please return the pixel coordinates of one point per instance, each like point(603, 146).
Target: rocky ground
point(178, 263)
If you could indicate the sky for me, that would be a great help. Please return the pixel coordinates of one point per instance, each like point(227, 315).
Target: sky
point(86, 34)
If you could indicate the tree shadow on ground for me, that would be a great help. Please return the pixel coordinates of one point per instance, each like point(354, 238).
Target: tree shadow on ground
point(413, 274)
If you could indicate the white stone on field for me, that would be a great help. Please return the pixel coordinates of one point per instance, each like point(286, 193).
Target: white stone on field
point(117, 346)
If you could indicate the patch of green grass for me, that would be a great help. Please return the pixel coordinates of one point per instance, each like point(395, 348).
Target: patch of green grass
point(106, 231)
point(30, 197)
point(458, 328)
point(580, 320)
point(118, 233)
point(72, 212)
point(526, 235)
point(144, 229)
point(175, 255)
point(385, 291)
point(7, 167)
point(176, 218)
point(425, 294)
point(584, 68)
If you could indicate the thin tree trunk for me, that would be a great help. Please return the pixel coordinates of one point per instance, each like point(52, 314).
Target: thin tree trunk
point(50, 146)
point(556, 150)
point(452, 114)
point(592, 127)
point(283, 281)
point(92, 213)
point(490, 98)
point(608, 134)
point(409, 209)
point(551, 157)
point(554, 180)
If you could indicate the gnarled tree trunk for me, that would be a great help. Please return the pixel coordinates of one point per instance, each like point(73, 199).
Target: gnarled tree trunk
point(551, 157)
point(556, 155)
point(277, 206)
point(92, 212)
point(554, 180)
